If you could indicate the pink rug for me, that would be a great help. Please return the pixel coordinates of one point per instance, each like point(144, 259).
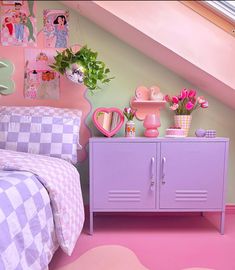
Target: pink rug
point(110, 257)
point(160, 242)
point(106, 258)
point(196, 268)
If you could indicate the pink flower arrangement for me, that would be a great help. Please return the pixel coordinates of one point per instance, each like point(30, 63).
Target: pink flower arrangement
point(186, 102)
point(129, 113)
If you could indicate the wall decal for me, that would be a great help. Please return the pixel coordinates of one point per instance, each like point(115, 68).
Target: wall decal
point(7, 85)
point(40, 81)
point(18, 23)
point(55, 28)
point(2, 64)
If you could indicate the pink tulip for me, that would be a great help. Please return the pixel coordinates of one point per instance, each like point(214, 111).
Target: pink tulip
point(133, 112)
point(192, 93)
point(127, 110)
point(183, 94)
point(175, 100)
point(204, 104)
point(167, 98)
point(174, 107)
point(189, 106)
point(201, 99)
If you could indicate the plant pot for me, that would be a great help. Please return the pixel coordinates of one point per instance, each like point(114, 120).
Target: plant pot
point(75, 73)
point(184, 122)
point(130, 129)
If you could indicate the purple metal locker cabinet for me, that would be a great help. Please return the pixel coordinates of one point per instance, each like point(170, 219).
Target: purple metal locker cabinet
point(158, 175)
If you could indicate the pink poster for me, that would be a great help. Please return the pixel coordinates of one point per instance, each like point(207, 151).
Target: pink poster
point(40, 81)
point(55, 28)
point(18, 23)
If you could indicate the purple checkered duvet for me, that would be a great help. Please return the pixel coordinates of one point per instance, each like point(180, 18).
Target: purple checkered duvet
point(32, 189)
point(27, 232)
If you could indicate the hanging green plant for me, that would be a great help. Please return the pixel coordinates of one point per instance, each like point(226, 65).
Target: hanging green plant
point(82, 67)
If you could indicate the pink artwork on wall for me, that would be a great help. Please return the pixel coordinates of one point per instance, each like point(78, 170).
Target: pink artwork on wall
point(55, 28)
point(40, 81)
point(18, 23)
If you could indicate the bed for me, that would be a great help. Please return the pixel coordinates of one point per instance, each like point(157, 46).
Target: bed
point(41, 205)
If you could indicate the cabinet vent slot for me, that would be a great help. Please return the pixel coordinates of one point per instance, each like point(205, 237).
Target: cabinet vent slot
point(191, 195)
point(124, 196)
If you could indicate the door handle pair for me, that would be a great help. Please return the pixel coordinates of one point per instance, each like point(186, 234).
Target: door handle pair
point(152, 182)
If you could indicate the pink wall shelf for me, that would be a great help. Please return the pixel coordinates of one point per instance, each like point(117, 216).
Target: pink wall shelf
point(145, 107)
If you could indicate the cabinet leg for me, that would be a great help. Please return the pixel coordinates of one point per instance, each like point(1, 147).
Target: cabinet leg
point(91, 223)
point(222, 221)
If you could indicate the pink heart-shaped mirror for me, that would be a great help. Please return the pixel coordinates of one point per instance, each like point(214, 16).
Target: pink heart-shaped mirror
point(108, 120)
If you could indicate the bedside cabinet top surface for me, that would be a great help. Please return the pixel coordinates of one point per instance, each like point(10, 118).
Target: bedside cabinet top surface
point(158, 139)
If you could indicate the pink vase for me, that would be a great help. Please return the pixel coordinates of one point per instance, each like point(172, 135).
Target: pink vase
point(151, 123)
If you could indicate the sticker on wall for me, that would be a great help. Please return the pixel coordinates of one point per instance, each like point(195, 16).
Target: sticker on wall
point(18, 23)
point(40, 81)
point(55, 28)
point(7, 85)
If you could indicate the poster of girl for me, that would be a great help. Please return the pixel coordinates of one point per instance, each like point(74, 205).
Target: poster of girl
point(18, 23)
point(40, 81)
point(55, 28)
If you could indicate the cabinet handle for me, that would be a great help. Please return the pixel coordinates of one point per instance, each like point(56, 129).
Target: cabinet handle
point(152, 174)
point(163, 170)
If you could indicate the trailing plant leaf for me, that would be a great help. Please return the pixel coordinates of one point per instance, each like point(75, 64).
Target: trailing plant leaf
point(95, 71)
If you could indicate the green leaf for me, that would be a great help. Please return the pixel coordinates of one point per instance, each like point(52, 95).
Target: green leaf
point(95, 70)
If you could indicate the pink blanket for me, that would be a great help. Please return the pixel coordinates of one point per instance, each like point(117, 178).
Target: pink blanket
point(62, 181)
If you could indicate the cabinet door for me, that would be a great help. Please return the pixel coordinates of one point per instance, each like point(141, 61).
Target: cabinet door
point(192, 175)
point(122, 174)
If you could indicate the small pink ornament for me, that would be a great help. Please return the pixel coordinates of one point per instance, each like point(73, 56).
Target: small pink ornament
point(151, 123)
point(142, 93)
point(155, 93)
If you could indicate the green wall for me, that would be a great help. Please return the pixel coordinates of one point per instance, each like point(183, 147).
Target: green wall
point(131, 69)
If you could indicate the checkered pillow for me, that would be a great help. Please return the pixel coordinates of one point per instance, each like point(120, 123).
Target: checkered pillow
point(43, 110)
point(55, 136)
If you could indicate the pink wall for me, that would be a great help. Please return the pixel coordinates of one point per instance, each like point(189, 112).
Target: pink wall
point(71, 95)
point(175, 36)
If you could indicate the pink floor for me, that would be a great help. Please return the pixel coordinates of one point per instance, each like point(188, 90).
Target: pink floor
point(162, 242)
